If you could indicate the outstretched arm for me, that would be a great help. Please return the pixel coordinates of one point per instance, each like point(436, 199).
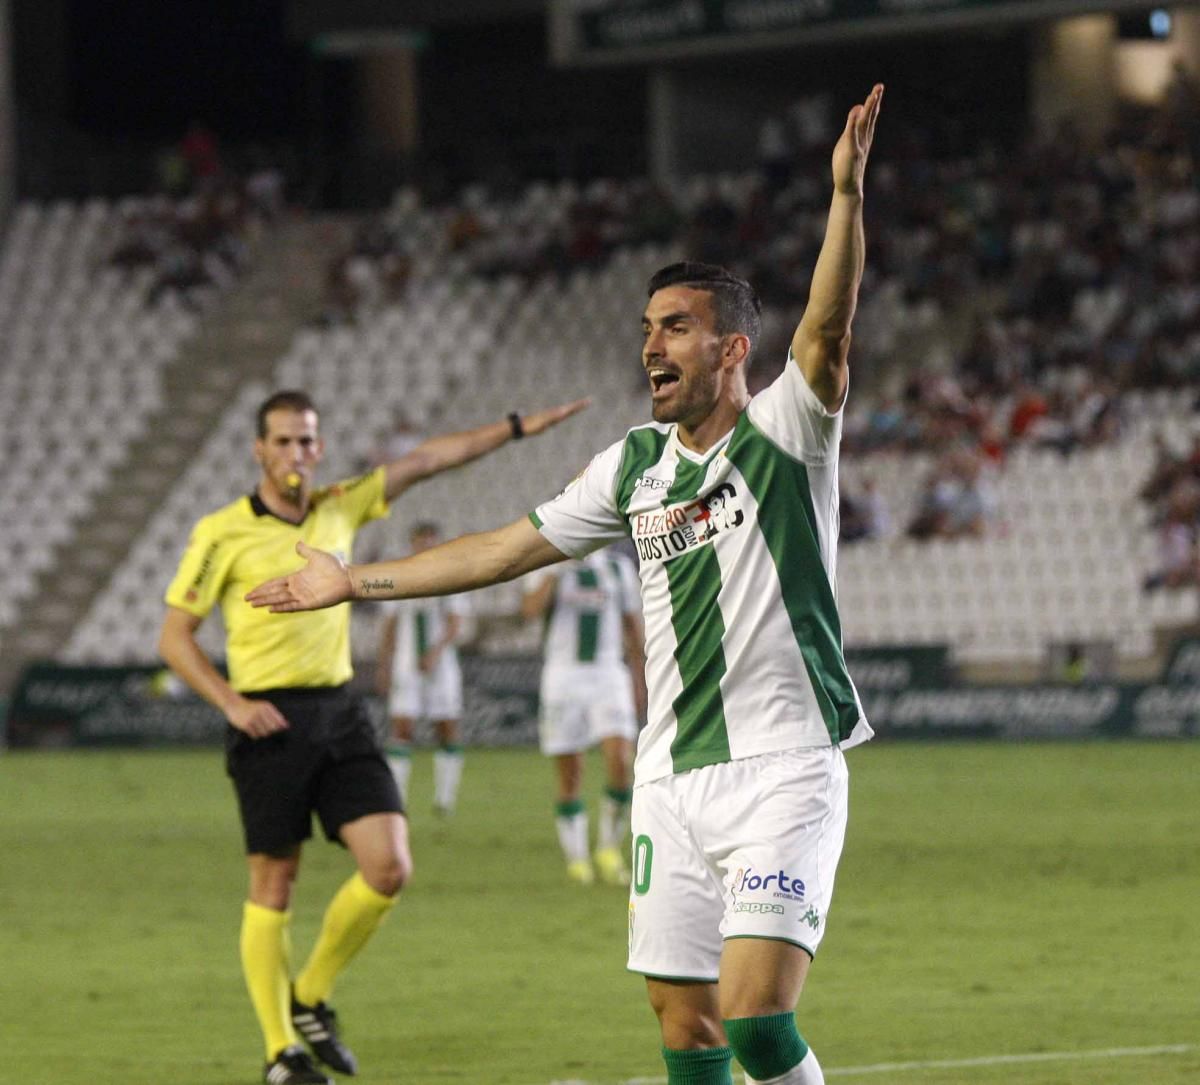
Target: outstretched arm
point(455, 449)
point(821, 344)
point(465, 563)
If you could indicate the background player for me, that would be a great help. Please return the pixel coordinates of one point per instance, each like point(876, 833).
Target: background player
point(588, 695)
point(740, 786)
point(420, 677)
point(298, 742)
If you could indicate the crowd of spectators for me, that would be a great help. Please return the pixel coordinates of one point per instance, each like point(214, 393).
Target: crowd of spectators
point(1072, 266)
point(194, 233)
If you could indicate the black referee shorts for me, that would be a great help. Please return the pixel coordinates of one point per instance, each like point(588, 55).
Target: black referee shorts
point(327, 762)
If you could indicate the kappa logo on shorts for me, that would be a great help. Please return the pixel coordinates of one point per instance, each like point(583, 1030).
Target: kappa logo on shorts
point(759, 908)
point(778, 885)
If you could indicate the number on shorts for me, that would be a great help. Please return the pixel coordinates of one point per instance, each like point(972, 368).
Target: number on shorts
point(643, 859)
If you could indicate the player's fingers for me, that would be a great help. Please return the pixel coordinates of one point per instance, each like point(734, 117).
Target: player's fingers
point(876, 105)
point(270, 591)
point(304, 550)
point(851, 119)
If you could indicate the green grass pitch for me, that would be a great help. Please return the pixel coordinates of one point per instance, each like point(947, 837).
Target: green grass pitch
point(992, 900)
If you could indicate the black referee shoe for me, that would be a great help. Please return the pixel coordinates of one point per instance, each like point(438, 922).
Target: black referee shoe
point(294, 1066)
point(318, 1027)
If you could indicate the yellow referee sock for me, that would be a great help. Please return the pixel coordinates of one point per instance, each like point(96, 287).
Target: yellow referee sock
point(351, 918)
point(266, 950)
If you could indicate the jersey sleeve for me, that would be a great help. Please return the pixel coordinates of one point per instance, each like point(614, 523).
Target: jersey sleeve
point(202, 571)
point(363, 496)
point(585, 517)
point(789, 413)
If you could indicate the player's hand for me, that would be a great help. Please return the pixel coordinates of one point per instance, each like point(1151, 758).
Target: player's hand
point(429, 660)
point(323, 582)
point(850, 154)
point(256, 718)
point(539, 421)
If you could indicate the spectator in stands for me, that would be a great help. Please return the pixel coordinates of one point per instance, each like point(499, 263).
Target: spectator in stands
point(199, 151)
point(865, 513)
point(958, 501)
point(1178, 561)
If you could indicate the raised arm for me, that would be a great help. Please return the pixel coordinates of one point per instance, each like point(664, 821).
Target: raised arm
point(472, 561)
point(455, 449)
point(821, 344)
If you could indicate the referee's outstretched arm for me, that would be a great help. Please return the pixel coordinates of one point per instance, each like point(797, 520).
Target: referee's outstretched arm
point(452, 450)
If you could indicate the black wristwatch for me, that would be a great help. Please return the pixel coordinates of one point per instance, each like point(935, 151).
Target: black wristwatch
point(518, 430)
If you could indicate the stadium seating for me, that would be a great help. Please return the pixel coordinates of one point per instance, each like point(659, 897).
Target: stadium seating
point(502, 310)
point(80, 373)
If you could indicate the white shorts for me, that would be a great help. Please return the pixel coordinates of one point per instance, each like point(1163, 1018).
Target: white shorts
point(581, 705)
point(436, 696)
point(743, 849)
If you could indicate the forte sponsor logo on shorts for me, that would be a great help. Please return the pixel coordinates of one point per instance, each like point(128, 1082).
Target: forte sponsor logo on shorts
point(777, 884)
point(663, 534)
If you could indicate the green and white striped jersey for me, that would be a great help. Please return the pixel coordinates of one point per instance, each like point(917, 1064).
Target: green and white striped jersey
point(737, 551)
point(591, 597)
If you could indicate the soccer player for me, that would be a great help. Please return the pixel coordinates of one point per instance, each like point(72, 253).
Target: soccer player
point(298, 742)
point(593, 624)
point(739, 803)
point(421, 679)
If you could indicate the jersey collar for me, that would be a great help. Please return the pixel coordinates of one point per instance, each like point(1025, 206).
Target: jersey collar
point(259, 507)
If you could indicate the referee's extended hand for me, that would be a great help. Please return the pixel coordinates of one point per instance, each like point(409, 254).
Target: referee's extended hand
point(323, 582)
point(540, 421)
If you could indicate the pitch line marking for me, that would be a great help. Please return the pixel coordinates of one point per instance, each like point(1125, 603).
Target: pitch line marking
point(958, 1064)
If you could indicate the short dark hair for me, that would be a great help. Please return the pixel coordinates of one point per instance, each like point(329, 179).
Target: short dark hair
point(736, 307)
point(287, 400)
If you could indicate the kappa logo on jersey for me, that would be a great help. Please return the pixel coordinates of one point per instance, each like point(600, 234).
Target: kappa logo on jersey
point(646, 482)
point(666, 533)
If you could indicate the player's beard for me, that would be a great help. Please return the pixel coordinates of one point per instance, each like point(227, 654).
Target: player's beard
point(694, 398)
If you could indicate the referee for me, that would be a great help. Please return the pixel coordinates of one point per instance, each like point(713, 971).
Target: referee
point(298, 741)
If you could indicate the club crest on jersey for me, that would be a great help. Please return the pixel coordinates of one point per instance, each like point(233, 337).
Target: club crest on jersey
point(663, 534)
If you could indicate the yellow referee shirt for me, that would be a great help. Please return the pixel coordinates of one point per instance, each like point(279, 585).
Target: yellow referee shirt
point(238, 547)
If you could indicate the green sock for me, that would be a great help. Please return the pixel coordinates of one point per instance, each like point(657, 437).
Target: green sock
point(768, 1046)
point(701, 1066)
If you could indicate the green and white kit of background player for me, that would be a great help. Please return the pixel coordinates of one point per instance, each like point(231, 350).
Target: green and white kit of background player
point(438, 695)
point(586, 693)
point(745, 672)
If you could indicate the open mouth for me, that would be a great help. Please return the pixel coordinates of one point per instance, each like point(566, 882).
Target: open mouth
point(661, 380)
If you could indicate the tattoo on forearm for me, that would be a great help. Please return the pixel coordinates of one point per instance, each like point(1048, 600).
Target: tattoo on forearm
point(378, 584)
